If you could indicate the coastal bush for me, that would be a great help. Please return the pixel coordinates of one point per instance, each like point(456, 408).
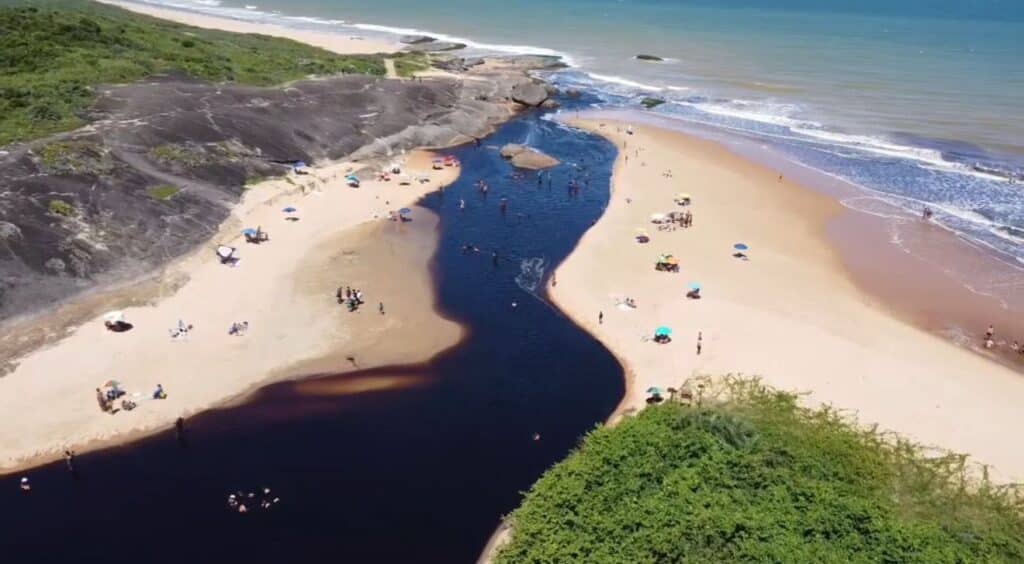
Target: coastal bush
point(54, 52)
point(163, 192)
point(757, 478)
point(61, 208)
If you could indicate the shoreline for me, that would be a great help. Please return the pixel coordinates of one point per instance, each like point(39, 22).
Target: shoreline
point(336, 42)
point(800, 322)
point(344, 232)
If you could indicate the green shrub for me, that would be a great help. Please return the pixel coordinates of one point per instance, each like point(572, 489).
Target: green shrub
point(61, 208)
point(163, 192)
point(760, 479)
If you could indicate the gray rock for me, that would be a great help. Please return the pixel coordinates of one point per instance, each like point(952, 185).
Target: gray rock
point(550, 104)
point(436, 47)
point(9, 231)
point(416, 39)
point(529, 93)
point(648, 58)
point(55, 265)
point(527, 157)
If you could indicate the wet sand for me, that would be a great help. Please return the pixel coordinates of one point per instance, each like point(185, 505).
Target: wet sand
point(792, 314)
point(284, 288)
point(343, 44)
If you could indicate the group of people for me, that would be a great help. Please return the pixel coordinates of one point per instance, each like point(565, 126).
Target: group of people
point(238, 500)
point(181, 331)
point(990, 342)
point(238, 329)
point(352, 298)
point(107, 398)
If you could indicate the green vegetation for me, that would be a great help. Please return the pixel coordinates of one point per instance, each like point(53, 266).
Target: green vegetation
point(163, 192)
point(407, 64)
point(54, 52)
point(61, 208)
point(74, 157)
point(756, 478)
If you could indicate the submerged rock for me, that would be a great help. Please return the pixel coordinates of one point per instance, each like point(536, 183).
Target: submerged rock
point(650, 58)
point(527, 157)
point(416, 39)
point(651, 102)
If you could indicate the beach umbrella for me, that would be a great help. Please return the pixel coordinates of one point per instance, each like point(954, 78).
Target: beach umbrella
point(654, 391)
point(695, 286)
point(113, 317)
point(740, 246)
point(224, 251)
point(682, 196)
point(300, 164)
point(657, 217)
point(249, 231)
point(111, 384)
point(289, 209)
point(663, 331)
point(405, 211)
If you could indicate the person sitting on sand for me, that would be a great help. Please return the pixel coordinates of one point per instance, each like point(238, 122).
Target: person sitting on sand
point(159, 392)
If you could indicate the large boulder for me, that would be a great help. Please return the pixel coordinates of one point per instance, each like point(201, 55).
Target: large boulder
point(526, 157)
point(529, 94)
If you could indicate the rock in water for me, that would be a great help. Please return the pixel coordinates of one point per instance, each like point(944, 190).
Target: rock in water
point(651, 102)
point(550, 104)
point(529, 94)
point(651, 58)
point(416, 39)
point(526, 157)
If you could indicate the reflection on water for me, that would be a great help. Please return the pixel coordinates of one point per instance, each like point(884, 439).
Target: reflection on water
point(396, 464)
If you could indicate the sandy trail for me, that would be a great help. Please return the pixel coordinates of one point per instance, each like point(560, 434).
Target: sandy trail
point(789, 314)
point(284, 288)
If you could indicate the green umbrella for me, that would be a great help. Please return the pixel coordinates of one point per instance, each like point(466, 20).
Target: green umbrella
point(663, 331)
point(654, 391)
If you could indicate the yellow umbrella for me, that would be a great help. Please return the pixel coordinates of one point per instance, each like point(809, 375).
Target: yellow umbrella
point(682, 196)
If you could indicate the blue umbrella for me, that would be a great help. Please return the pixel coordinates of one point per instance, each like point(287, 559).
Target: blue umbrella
point(662, 331)
point(695, 286)
point(654, 391)
point(405, 211)
point(300, 164)
point(249, 231)
point(740, 246)
point(289, 209)
point(352, 177)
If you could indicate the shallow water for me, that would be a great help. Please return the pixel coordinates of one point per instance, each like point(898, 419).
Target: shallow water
point(418, 471)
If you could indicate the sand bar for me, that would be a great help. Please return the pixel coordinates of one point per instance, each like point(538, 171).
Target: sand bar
point(284, 288)
point(337, 42)
point(790, 314)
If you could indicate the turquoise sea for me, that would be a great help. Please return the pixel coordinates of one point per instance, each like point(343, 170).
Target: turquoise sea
point(919, 102)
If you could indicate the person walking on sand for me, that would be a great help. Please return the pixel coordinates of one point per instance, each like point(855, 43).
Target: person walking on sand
point(380, 308)
point(600, 318)
point(700, 339)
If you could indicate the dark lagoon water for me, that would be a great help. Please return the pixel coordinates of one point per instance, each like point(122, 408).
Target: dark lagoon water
point(420, 474)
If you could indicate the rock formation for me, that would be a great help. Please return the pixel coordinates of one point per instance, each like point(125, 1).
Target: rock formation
point(526, 157)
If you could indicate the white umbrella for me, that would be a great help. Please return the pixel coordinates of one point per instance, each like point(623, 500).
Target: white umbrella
point(113, 317)
point(657, 217)
point(225, 251)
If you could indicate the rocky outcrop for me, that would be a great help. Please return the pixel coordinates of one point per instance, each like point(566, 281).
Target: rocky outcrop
point(648, 58)
point(416, 39)
point(529, 93)
point(649, 102)
point(77, 210)
point(527, 157)
point(435, 47)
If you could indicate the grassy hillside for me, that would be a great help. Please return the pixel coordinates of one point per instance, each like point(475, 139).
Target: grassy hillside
point(758, 479)
point(53, 52)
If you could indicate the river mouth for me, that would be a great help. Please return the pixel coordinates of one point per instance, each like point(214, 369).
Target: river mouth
point(395, 464)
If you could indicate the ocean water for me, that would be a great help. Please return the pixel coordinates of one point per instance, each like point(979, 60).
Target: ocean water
point(920, 102)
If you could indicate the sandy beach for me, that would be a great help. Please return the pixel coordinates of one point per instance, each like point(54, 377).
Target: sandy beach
point(790, 314)
point(284, 288)
point(336, 42)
